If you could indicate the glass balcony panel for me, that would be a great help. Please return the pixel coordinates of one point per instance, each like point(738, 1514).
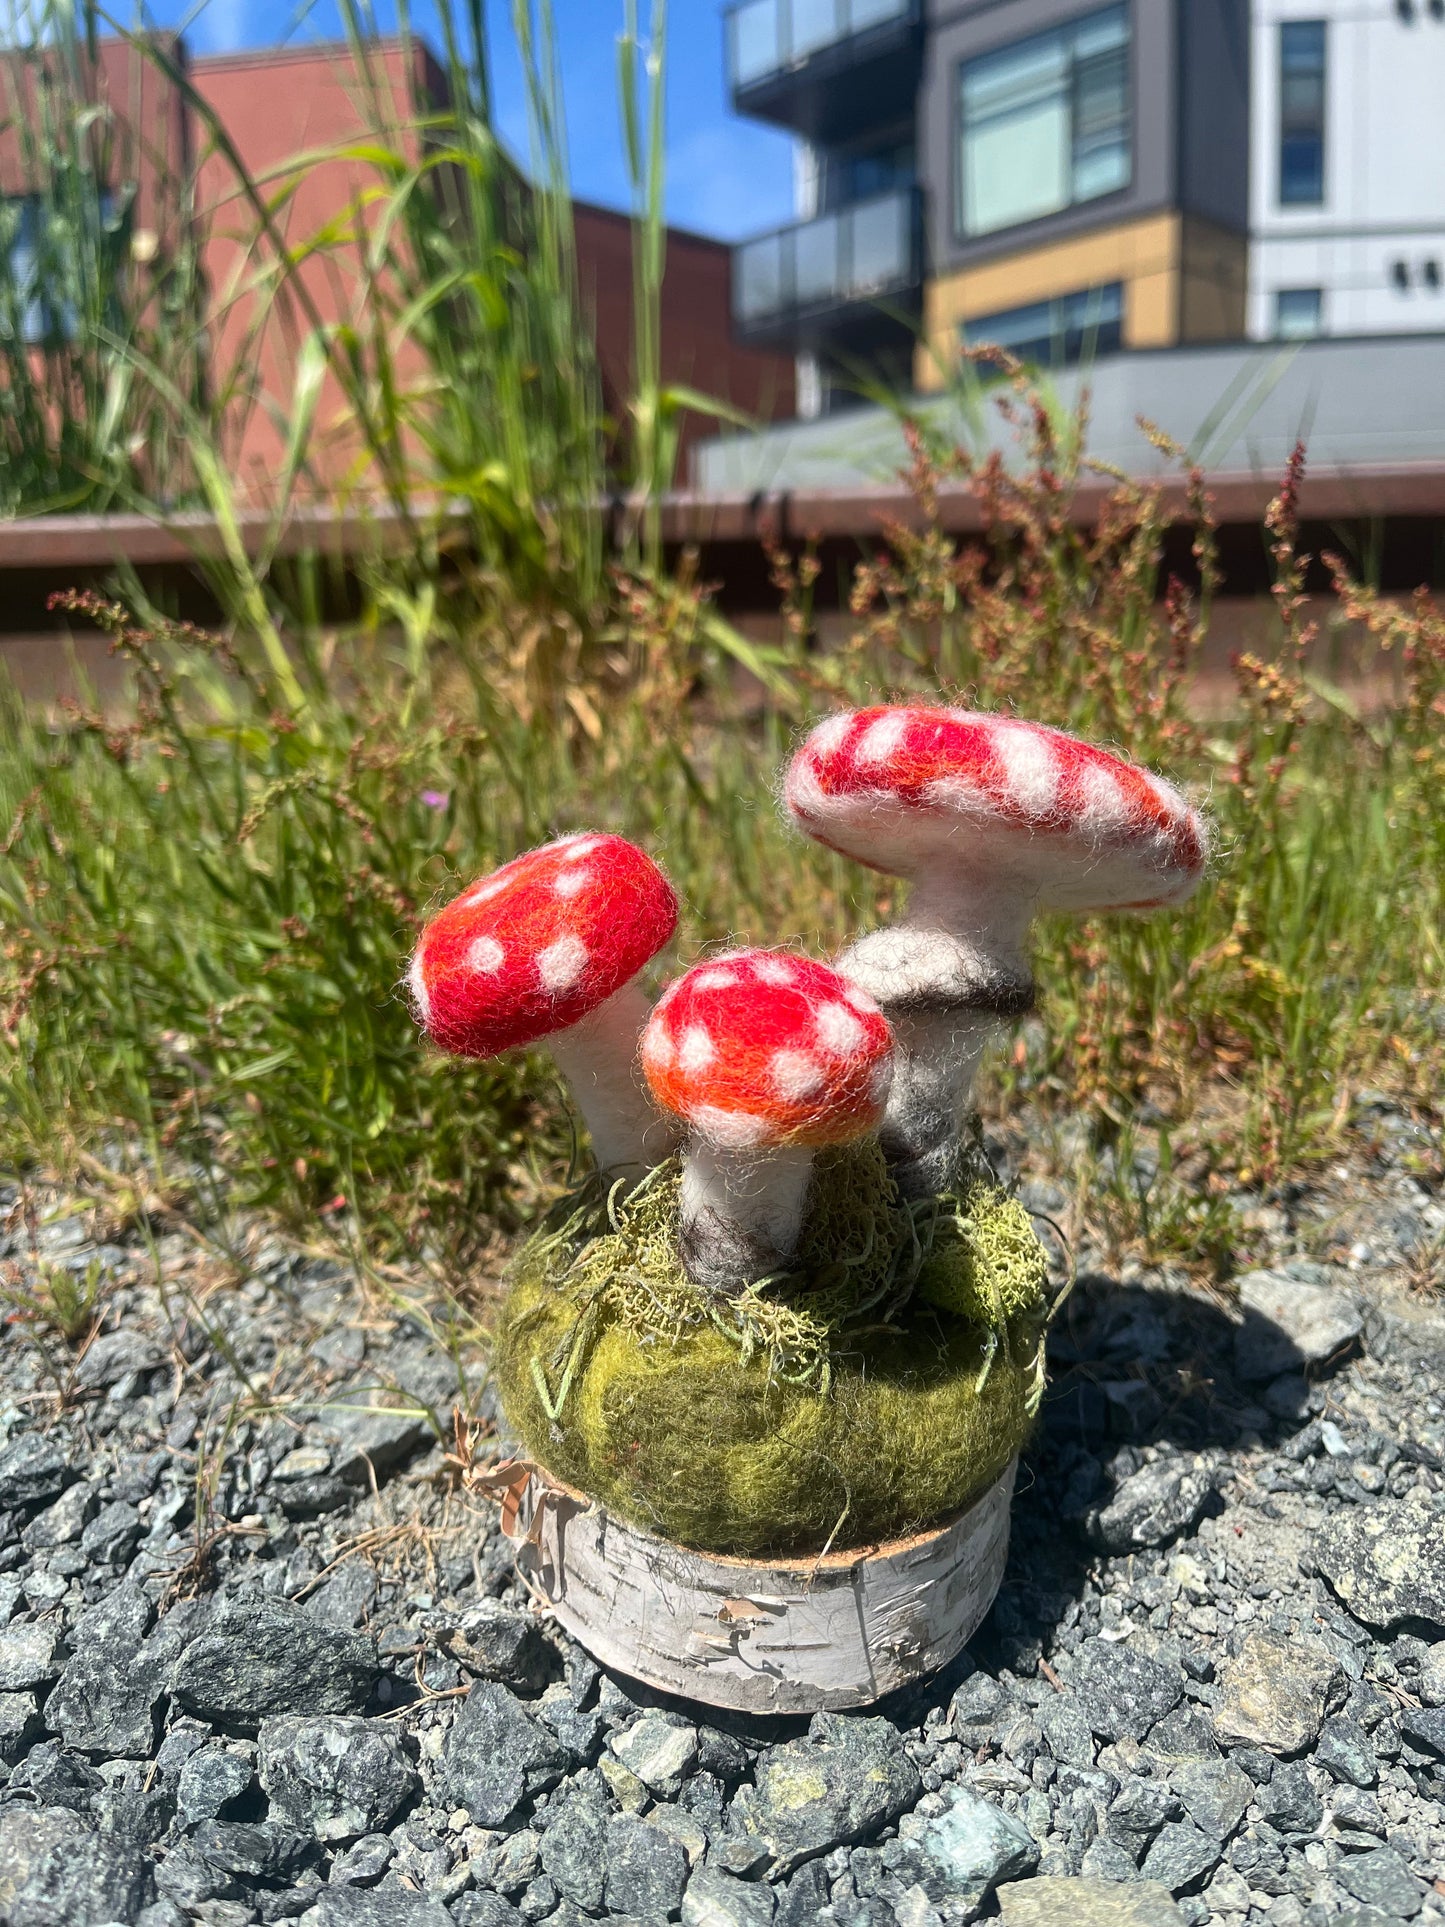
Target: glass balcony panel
point(880, 252)
point(816, 24)
point(756, 51)
point(761, 287)
point(874, 13)
point(818, 264)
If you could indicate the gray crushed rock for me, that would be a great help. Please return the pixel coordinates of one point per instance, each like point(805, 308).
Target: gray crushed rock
point(1212, 1689)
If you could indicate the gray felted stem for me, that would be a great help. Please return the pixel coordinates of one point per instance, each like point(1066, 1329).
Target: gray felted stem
point(742, 1212)
point(946, 976)
point(598, 1058)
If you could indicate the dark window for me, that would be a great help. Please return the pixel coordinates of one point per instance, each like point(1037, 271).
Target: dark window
point(1302, 113)
point(1044, 124)
point(1068, 328)
point(1298, 313)
point(861, 175)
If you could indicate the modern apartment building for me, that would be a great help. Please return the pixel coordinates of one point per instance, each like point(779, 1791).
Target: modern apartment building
point(1347, 193)
point(1072, 177)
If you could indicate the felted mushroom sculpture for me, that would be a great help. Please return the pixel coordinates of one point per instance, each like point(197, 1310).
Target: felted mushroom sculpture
point(992, 820)
point(550, 946)
point(767, 1056)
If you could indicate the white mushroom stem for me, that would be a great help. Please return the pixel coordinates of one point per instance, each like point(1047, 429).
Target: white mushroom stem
point(742, 1212)
point(947, 977)
point(598, 1058)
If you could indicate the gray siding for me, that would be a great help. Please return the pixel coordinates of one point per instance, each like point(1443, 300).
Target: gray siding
point(1214, 111)
point(960, 29)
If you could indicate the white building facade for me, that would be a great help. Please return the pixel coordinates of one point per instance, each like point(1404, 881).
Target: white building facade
point(1347, 168)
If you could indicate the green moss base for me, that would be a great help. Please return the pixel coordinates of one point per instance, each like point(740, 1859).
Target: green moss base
point(874, 1391)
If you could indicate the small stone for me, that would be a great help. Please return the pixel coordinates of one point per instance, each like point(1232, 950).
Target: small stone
point(1290, 1802)
point(1424, 1727)
point(1387, 1561)
point(974, 1845)
point(116, 1355)
point(20, 1723)
point(743, 1857)
point(1105, 1859)
point(363, 1863)
point(1355, 1808)
point(1138, 1814)
point(262, 1655)
point(259, 1850)
point(1181, 1856)
point(1122, 1692)
point(26, 1834)
point(30, 1654)
point(208, 1782)
point(60, 1524)
point(335, 1777)
point(660, 1750)
point(717, 1899)
point(493, 1641)
point(33, 1471)
point(1153, 1506)
point(1344, 1751)
point(109, 1698)
point(1432, 1674)
point(112, 1535)
point(1276, 1693)
point(1381, 1879)
point(646, 1872)
point(628, 1791)
point(804, 1897)
point(134, 1814)
point(574, 1852)
point(383, 1907)
point(691, 1836)
point(1215, 1794)
point(484, 1910)
point(83, 1883)
point(1057, 1902)
point(497, 1755)
point(1289, 1324)
point(849, 1777)
point(1068, 1733)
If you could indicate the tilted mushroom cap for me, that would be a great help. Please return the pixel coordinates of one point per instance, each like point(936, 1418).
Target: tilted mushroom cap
point(539, 944)
point(760, 1048)
point(912, 790)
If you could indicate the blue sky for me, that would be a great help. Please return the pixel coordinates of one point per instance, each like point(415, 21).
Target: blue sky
point(726, 176)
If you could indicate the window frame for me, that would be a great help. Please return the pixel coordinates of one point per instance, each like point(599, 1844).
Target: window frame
point(1288, 28)
point(1314, 334)
point(1070, 322)
point(1065, 30)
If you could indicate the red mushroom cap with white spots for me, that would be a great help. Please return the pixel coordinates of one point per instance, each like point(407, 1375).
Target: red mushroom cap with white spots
point(912, 790)
point(538, 945)
point(761, 1048)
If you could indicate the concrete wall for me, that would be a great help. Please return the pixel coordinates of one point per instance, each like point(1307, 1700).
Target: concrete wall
point(1384, 170)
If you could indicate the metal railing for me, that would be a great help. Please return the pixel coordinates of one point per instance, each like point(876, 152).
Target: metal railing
point(859, 253)
point(767, 37)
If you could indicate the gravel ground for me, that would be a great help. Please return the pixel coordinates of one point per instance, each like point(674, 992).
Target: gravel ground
point(262, 1659)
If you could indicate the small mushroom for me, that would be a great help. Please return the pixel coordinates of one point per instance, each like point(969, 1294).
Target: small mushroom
point(992, 820)
point(550, 946)
point(767, 1056)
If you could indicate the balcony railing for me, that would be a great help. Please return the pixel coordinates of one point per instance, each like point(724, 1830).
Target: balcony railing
point(853, 256)
point(771, 37)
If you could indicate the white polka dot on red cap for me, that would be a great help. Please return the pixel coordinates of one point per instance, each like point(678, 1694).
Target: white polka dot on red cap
point(838, 1029)
point(486, 954)
point(718, 978)
point(774, 970)
point(732, 1130)
point(571, 881)
point(695, 1049)
point(796, 1075)
point(416, 984)
point(561, 963)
